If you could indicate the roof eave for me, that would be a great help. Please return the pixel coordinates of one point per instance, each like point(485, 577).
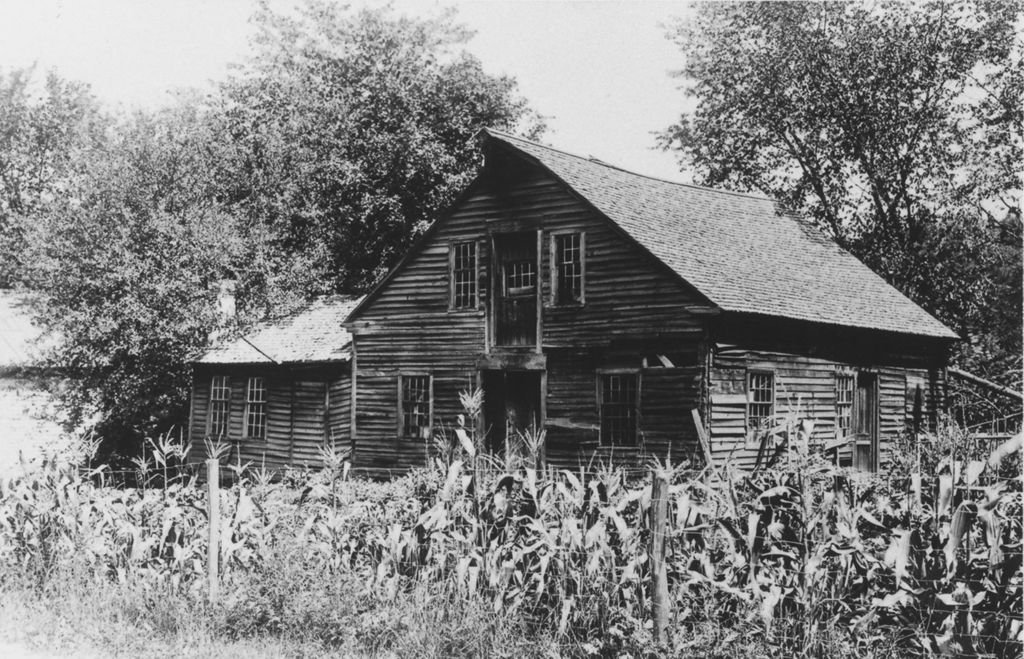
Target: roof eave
point(283, 364)
point(948, 336)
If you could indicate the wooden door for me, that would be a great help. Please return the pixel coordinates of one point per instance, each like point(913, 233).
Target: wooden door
point(865, 423)
point(518, 279)
point(511, 408)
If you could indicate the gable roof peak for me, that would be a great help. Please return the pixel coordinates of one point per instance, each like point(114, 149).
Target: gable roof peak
point(509, 137)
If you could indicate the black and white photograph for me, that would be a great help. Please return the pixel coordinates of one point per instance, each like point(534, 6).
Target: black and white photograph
point(511, 328)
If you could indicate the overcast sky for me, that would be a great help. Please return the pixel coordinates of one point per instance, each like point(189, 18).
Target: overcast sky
point(598, 70)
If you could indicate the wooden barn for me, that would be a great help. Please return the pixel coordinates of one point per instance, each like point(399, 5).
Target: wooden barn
point(606, 306)
point(279, 392)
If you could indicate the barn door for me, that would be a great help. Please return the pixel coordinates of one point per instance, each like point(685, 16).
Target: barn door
point(865, 423)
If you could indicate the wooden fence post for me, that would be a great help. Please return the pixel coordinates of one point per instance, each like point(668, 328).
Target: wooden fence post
point(213, 550)
point(656, 555)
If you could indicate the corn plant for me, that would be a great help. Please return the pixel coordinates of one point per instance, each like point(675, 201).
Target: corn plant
point(799, 555)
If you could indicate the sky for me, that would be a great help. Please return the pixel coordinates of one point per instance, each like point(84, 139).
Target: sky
point(598, 71)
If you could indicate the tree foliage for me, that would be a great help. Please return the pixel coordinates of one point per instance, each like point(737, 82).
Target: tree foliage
point(44, 125)
point(123, 262)
point(896, 126)
point(346, 134)
point(309, 171)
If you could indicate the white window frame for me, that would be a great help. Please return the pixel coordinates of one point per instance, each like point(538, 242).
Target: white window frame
point(553, 267)
point(222, 387)
point(424, 432)
point(474, 281)
point(844, 407)
point(255, 406)
point(753, 433)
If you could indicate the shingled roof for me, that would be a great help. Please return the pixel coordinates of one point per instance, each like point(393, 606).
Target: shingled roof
point(739, 250)
point(312, 334)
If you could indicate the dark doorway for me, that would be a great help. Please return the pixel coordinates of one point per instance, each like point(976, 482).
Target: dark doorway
point(518, 277)
point(865, 423)
point(511, 407)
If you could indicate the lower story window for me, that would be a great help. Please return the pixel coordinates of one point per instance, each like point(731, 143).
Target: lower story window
point(255, 408)
point(619, 409)
point(844, 404)
point(220, 405)
point(760, 400)
point(415, 405)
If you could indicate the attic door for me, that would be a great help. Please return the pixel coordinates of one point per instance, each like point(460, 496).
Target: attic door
point(518, 278)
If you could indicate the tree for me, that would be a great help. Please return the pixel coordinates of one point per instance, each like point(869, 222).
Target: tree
point(345, 135)
point(308, 172)
point(896, 127)
point(123, 263)
point(41, 130)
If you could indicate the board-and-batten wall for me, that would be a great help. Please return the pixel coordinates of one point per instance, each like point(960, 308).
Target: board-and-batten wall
point(806, 387)
point(630, 304)
point(305, 408)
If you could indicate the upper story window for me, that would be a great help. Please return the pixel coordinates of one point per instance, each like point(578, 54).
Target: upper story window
point(619, 408)
point(220, 406)
point(415, 405)
point(463, 275)
point(255, 408)
point(567, 265)
point(760, 399)
point(844, 404)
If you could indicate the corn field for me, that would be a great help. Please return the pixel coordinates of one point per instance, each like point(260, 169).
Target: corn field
point(805, 561)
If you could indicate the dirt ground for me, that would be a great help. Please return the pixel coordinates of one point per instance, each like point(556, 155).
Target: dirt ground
point(10, 650)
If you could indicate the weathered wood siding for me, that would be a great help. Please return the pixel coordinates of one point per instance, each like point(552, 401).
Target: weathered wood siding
point(299, 419)
point(634, 309)
point(806, 388)
point(409, 328)
point(666, 396)
point(930, 385)
point(338, 417)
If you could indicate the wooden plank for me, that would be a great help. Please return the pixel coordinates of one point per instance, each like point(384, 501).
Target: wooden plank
point(988, 384)
point(705, 444)
point(569, 424)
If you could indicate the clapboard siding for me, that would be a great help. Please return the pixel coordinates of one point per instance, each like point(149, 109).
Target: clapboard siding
point(572, 423)
point(932, 385)
point(379, 447)
point(408, 327)
point(339, 422)
point(665, 425)
point(806, 389)
point(300, 415)
point(625, 292)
